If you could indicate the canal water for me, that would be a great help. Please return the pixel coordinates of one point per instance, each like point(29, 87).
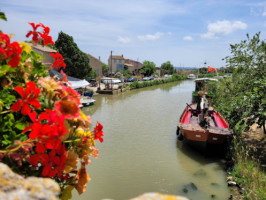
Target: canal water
point(141, 153)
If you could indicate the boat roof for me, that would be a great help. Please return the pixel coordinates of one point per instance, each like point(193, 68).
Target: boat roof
point(206, 79)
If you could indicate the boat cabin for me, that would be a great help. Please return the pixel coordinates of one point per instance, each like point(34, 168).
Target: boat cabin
point(202, 85)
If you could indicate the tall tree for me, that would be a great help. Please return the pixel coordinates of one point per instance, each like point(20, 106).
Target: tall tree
point(167, 68)
point(148, 68)
point(243, 99)
point(77, 62)
point(105, 68)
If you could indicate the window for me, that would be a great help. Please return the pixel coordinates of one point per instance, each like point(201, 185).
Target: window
point(120, 61)
point(114, 60)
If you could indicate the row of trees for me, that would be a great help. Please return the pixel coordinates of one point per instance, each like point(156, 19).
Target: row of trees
point(149, 68)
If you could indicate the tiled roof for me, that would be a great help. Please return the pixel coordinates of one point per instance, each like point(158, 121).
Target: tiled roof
point(118, 57)
point(42, 48)
point(92, 58)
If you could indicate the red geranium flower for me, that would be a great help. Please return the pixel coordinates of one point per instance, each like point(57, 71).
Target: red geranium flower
point(58, 60)
point(49, 127)
point(29, 97)
point(53, 163)
point(70, 94)
point(98, 133)
point(68, 108)
point(9, 51)
point(34, 33)
point(64, 78)
point(44, 37)
point(15, 52)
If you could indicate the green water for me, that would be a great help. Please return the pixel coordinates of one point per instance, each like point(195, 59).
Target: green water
point(141, 153)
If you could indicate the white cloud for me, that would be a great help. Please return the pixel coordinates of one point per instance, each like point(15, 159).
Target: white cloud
point(224, 27)
point(188, 38)
point(124, 39)
point(156, 36)
point(264, 14)
point(209, 35)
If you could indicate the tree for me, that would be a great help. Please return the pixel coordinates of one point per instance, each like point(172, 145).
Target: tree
point(148, 68)
point(93, 73)
point(243, 98)
point(105, 68)
point(203, 70)
point(77, 62)
point(127, 73)
point(167, 68)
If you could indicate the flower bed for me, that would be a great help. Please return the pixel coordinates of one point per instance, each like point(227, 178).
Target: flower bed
point(43, 132)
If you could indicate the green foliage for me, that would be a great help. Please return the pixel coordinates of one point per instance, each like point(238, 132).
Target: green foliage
point(118, 74)
point(77, 62)
point(167, 68)
point(137, 84)
point(127, 73)
point(203, 70)
point(105, 68)
point(3, 16)
point(148, 68)
point(242, 98)
point(93, 73)
point(247, 172)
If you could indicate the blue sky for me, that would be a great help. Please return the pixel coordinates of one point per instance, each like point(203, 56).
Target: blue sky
point(185, 32)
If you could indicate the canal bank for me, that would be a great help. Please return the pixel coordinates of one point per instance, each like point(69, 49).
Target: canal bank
point(141, 152)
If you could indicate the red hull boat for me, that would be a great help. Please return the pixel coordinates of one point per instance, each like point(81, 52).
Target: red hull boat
point(200, 123)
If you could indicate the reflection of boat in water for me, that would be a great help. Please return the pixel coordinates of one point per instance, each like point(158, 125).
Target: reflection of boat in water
point(201, 125)
point(191, 76)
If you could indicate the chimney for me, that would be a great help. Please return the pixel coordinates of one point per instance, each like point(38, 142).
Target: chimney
point(122, 56)
point(99, 57)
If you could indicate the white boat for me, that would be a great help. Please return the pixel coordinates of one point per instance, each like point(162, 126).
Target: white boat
point(87, 101)
point(191, 76)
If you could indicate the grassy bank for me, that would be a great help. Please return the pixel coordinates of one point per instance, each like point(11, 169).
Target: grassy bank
point(247, 171)
point(143, 84)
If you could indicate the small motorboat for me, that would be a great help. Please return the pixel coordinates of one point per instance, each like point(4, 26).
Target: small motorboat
point(201, 125)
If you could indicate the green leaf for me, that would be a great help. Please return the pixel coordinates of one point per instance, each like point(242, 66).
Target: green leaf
point(66, 194)
point(20, 126)
point(3, 16)
point(4, 69)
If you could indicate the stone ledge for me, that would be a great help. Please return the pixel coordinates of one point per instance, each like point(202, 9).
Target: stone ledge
point(15, 187)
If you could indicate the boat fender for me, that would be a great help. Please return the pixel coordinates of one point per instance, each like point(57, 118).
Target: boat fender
point(180, 137)
point(177, 130)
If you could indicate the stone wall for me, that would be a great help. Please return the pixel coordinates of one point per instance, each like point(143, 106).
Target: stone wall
point(15, 187)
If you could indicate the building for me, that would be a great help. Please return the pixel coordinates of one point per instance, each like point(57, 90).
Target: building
point(159, 71)
point(96, 64)
point(133, 66)
point(116, 63)
point(45, 52)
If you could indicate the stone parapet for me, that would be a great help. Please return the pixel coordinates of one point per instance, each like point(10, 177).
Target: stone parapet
point(15, 187)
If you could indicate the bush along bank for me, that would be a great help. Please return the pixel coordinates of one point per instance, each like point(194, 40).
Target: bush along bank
point(242, 101)
point(175, 77)
point(245, 172)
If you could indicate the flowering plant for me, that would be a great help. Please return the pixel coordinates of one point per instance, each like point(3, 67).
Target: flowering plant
point(43, 132)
